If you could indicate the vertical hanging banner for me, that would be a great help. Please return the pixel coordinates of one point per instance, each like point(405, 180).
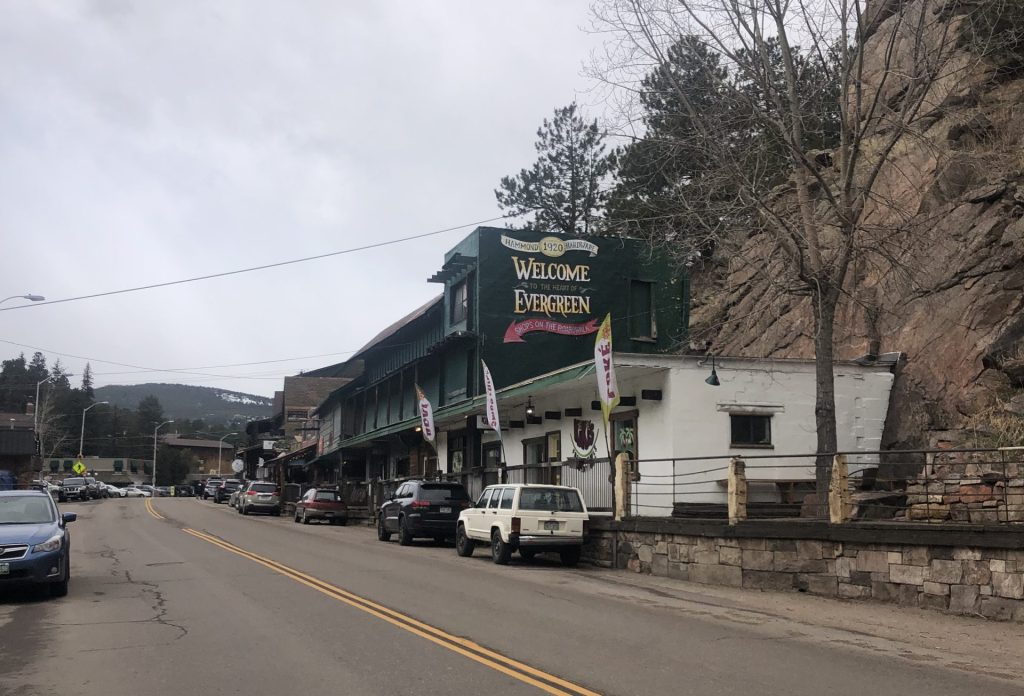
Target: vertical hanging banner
point(607, 388)
point(426, 416)
point(493, 419)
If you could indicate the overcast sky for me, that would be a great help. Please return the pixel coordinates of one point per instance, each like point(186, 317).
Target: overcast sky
point(143, 142)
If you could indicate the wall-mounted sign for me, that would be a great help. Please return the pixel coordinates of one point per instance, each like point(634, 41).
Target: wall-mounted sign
point(516, 330)
point(584, 438)
point(550, 246)
point(554, 289)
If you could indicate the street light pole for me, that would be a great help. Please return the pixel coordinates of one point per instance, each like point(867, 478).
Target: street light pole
point(153, 484)
point(81, 438)
point(220, 446)
point(30, 297)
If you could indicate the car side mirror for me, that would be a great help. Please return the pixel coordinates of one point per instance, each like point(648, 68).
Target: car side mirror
point(68, 517)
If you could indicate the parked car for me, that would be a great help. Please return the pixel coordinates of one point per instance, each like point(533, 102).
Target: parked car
point(96, 490)
point(225, 489)
point(527, 518)
point(150, 490)
point(75, 488)
point(422, 509)
point(260, 496)
point(114, 491)
point(211, 487)
point(35, 547)
point(55, 491)
point(236, 495)
point(321, 504)
point(133, 492)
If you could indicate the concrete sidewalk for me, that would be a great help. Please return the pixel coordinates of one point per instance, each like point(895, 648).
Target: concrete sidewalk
point(970, 644)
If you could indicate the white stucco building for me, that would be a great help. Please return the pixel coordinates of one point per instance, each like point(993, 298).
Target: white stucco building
point(676, 424)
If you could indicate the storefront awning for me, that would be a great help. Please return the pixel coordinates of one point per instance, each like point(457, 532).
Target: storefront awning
point(476, 404)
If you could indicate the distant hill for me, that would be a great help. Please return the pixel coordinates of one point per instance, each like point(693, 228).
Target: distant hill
point(187, 401)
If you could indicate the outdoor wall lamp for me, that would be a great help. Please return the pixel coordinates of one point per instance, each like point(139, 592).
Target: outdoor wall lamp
point(529, 405)
point(713, 377)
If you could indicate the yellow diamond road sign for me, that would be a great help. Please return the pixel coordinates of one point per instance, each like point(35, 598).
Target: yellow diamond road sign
point(79, 467)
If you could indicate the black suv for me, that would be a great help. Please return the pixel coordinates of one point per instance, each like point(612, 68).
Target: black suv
point(225, 489)
point(422, 509)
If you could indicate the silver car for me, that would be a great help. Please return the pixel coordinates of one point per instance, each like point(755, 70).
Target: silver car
point(260, 496)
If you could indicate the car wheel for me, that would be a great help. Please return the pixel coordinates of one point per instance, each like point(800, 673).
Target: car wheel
point(276, 513)
point(242, 510)
point(305, 517)
point(528, 555)
point(60, 589)
point(570, 556)
point(404, 535)
point(500, 551)
point(296, 517)
point(463, 544)
point(382, 533)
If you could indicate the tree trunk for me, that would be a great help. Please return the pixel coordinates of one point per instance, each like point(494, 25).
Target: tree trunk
point(825, 301)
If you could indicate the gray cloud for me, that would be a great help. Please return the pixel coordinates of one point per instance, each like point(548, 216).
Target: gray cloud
point(147, 141)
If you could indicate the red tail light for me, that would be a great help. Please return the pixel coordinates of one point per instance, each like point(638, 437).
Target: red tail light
point(250, 492)
point(517, 524)
point(420, 504)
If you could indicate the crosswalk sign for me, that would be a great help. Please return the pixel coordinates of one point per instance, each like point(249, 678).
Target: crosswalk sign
point(79, 467)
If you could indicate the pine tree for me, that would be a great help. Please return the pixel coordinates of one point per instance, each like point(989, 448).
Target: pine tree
point(562, 190)
point(87, 381)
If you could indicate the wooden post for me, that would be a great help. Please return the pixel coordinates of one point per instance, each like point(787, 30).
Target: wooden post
point(839, 503)
point(623, 479)
point(737, 490)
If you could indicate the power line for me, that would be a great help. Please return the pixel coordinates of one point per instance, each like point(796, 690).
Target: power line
point(264, 267)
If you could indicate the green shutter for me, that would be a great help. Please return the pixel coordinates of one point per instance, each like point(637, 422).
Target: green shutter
point(118, 465)
point(54, 464)
point(133, 467)
point(68, 463)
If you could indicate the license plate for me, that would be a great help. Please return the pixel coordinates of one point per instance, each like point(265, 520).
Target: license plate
point(5, 568)
point(445, 510)
point(551, 525)
point(264, 497)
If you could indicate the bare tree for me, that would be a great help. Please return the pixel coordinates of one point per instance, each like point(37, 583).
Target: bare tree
point(816, 214)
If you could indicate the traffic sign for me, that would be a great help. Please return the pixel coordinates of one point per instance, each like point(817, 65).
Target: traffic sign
point(79, 467)
point(237, 466)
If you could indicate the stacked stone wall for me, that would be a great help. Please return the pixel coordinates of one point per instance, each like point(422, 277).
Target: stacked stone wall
point(962, 580)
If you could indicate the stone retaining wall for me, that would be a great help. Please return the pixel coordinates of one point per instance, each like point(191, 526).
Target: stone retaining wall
point(962, 580)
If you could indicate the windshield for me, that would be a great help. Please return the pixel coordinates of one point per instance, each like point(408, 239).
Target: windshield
point(440, 493)
point(554, 499)
point(25, 509)
point(74, 482)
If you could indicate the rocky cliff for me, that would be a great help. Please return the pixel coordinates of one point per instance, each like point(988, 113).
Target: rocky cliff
point(946, 284)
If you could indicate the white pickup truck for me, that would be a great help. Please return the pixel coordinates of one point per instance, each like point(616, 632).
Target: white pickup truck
point(527, 518)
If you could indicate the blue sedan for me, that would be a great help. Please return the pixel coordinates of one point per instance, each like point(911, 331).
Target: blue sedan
point(35, 547)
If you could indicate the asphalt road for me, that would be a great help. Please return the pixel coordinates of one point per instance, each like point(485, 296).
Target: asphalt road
point(194, 598)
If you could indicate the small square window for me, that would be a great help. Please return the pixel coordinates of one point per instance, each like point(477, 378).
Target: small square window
point(750, 430)
point(118, 465)
point(54, 464)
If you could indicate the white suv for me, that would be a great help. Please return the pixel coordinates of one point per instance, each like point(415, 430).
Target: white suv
point(527, 518)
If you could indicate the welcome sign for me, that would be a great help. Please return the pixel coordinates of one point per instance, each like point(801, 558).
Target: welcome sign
point(559, 291)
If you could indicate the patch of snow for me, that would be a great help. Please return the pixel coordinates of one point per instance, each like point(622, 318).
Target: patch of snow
point(239, 399)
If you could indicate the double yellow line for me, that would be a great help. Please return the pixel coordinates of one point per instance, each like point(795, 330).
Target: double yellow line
point(152, 511)
point(467, 648)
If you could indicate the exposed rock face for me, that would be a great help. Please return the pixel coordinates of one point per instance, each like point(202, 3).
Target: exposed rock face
point(949, 291)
